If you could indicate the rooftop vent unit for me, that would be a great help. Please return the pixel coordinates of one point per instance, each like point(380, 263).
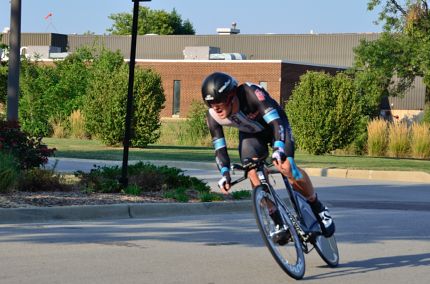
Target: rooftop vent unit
point(228, 31)
point(199, 52)
point(227, 56)
point(43, 52)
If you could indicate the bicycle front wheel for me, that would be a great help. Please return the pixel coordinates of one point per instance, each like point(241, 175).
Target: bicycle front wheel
point(289, 255)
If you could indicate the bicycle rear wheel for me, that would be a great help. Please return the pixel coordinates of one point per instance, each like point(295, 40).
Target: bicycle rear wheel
point(327, 249)
point(289, 256)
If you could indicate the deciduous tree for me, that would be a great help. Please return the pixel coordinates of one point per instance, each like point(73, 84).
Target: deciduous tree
point(151, 22)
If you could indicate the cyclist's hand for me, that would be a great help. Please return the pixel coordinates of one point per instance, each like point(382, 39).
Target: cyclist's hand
point(294, 169)
point(225, 183)
point(279, 156)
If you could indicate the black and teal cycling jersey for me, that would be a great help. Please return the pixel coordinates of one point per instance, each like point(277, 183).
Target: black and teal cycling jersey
point(259, 117)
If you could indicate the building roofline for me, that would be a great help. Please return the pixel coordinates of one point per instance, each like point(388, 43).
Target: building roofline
point(238, 62)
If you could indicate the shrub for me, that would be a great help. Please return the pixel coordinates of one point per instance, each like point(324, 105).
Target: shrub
point(149, 99)
point(37, 179)
point(377, 140)
point(133, 190)
point(420, 140)
point(398, 140)
point(105, 104)
point(29, 152)
point(9, 171)
point(241, 194)
point(210, 196)
point(49, 92)
point(37, 99)
point(179, 194)
point(325, 112)
point(147, 177)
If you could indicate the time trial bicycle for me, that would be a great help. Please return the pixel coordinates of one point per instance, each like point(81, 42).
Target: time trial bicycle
point(300, 225)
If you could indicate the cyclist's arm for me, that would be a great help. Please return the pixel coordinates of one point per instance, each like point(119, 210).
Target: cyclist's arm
point(271, 112)
point(219, 143)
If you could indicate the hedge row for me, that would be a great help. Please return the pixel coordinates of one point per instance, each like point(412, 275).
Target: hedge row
point(95, 82)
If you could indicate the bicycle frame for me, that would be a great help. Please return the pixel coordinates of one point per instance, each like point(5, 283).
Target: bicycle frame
point(263, 170)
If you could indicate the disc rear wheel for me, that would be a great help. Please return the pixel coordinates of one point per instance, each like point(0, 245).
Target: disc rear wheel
point(327, 249)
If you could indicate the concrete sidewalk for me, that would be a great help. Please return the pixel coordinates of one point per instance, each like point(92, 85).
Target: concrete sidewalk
point(69, 165)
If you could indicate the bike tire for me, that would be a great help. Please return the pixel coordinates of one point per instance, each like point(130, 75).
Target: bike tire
point(327, 249)
point(290, 256)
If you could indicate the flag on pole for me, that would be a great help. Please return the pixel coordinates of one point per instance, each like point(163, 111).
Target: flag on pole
point(47, 16)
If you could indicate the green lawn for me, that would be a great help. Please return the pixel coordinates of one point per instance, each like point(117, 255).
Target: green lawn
point(91, 149)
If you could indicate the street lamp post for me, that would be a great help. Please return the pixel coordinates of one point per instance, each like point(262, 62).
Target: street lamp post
point(129, 114)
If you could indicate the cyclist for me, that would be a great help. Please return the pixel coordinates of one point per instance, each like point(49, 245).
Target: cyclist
point(261, 121)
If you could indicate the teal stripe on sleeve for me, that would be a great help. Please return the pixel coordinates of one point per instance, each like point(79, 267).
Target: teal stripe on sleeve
point(219, 143)
point(271, 116)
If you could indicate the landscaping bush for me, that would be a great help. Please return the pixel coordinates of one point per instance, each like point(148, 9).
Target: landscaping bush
point(105, 103)
point(9, 172)
point(37, 179)
point(29, 152)
point(398, 140)
point(37, 100)
point(144, 177)
point(420, 140)
point(148, 102)
point(377, 131)
point(50, 93)
point(325, 112)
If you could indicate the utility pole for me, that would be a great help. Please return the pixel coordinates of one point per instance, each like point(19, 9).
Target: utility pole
point(14, 61)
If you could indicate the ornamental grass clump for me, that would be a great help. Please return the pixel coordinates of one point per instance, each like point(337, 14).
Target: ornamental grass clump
point(398, 140)
point(77, 125)
point(377, 137)
point(420, 140)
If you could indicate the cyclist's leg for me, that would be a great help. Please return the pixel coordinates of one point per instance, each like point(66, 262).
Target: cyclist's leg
point(306, 188)
point(252, 146)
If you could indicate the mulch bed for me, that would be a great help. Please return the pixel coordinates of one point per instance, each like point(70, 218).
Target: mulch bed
point(22, 199)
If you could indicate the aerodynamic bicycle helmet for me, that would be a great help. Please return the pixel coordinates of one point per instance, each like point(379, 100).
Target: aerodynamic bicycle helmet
point(216, 88)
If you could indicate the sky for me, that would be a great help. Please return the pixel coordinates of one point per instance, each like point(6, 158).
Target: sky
point(251, 16)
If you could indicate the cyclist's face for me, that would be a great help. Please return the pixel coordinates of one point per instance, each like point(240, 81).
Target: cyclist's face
point(222, 110)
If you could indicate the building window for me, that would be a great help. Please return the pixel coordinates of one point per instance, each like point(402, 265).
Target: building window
point(176, 97)
point(263, 84)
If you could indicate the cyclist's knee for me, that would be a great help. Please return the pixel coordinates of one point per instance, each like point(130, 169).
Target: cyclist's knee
point(253, 177)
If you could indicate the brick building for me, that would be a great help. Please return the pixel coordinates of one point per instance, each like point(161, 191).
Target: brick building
point(182, 78)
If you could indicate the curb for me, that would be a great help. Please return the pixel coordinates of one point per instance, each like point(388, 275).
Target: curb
point(413, 176)
point(119, 211)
